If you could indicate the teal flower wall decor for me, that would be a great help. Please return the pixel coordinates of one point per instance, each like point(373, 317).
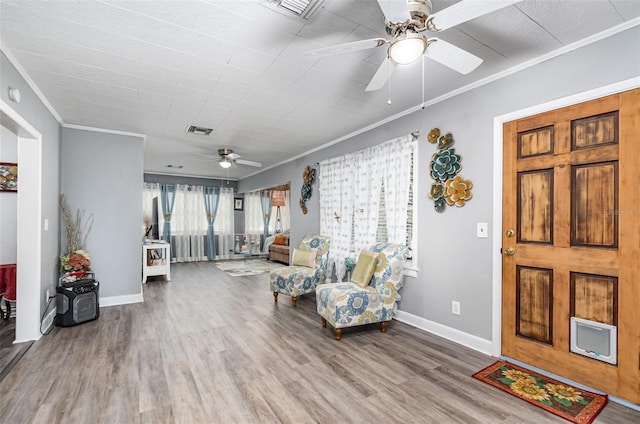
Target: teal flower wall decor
point(445, 164)
point(308, 177)
point(448, 188)
point(436, 191)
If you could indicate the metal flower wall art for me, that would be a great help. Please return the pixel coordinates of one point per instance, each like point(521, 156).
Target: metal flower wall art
point(448, 187)
point(308, 177)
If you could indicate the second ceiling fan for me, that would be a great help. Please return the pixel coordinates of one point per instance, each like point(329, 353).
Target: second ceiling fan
point(228, 159)
point(405, 20)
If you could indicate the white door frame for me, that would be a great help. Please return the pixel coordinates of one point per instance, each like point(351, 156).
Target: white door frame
point(29, 235)
point(498, 121)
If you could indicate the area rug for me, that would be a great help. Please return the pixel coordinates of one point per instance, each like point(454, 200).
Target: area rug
point(241, 268)
point(575, 405)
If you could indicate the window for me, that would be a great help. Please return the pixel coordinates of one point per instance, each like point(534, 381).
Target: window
point(189, 221)
point(367, 196)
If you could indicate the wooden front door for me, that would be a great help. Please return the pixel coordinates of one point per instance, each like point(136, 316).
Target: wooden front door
point(571, 238)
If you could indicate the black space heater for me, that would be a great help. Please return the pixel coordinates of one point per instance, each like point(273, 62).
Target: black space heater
point(77, 301)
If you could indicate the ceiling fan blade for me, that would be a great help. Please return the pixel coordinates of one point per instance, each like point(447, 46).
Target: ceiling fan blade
point(233, 156)
point(466, 10)
point(395, 10)
point(382, 75)
point(248, 163)
point(347, 47)
point(452, 56)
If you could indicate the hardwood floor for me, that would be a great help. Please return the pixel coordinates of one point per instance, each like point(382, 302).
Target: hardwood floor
point(10, 353)
point(210, 348)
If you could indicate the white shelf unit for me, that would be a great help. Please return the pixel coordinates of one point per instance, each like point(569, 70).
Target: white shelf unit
point(156, 260)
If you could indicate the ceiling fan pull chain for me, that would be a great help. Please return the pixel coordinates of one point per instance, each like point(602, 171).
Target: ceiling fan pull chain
point(423, 81)
point(389, 77)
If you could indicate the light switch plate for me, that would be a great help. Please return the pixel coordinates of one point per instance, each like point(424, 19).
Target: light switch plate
point(482, 230)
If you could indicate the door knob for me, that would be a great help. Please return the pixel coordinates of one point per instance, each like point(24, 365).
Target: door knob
point(509, 251)
point(510, 233)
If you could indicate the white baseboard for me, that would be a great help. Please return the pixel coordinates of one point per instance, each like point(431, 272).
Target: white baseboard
point(460, 337)
point(121, 300)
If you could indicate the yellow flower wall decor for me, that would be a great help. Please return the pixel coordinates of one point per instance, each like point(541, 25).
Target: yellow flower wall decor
point(449, 187)
point(458, 191)
point(433, 135)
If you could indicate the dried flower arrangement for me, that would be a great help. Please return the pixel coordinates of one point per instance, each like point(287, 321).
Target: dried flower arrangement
point(76, 231)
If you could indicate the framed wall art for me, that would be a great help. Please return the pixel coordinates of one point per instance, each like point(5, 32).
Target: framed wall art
point(8, 176)
point(238, 204)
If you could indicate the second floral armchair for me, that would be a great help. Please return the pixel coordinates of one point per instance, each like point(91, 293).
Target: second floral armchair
point(308, 269)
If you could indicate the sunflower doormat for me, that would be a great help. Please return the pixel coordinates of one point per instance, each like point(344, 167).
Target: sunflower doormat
point(576, 405)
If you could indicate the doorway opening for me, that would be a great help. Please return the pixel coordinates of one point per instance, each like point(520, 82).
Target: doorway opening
point(29, 237)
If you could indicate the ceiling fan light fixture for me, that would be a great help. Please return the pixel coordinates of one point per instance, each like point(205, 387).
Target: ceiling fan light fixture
point(225, 163)
point(407, 48)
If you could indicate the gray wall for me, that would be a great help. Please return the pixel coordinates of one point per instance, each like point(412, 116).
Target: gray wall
point(102, 173)
point(37, 115)
point(454, 264)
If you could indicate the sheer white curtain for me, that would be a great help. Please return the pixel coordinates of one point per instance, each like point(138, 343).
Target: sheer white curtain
point(189, 221)
point(336, 208)
point(367, 182)
point(188, 224)
point(223, 225)
point(149, 191)
point(350, 187)
point(396, 176)
point(253, 222)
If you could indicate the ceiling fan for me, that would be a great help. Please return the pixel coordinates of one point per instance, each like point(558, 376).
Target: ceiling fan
point(228, 159)
point(405, 20)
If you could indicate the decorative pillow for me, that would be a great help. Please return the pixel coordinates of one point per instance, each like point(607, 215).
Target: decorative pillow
point(302, 257)
point(364, 268)
point(281, 240)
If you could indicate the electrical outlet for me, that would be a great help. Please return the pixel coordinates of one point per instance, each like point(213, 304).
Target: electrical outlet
point(455, 307)
point(48, 294)
point(482, 230)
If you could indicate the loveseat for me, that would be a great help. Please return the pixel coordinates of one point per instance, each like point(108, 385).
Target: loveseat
point(279, 249)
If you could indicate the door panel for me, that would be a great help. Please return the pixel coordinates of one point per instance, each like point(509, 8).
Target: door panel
point(594, 189)
point(535, 203)
point(535, 295)
point(571, 197)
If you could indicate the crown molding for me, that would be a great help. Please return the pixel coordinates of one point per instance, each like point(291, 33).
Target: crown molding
point(23, 73)
point(104, 130)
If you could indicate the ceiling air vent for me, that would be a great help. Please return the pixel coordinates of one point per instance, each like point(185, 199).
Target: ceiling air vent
point(193, 129)
point(301, 8)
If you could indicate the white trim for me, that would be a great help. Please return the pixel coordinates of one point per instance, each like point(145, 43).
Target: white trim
point(29, 225)
point(625, 402)
point(491, 78)
point(498, 122)
point(121, 300)
point(29, 81)
point(104, 130)
point(455, 335)
point(410, 270)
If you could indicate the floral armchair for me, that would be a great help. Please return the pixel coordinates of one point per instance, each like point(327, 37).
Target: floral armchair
point(296, 280)
point(348, 304)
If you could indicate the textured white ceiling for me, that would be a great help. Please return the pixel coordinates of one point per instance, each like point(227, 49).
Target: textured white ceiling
point(155, 67)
